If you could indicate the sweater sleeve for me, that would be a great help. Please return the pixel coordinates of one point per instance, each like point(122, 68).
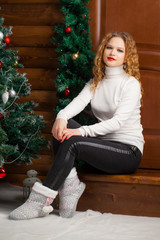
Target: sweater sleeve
point(130, 97)
point(77, 104)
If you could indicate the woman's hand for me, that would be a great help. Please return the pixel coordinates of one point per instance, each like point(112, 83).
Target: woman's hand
point(69, 133)
point(58, 127)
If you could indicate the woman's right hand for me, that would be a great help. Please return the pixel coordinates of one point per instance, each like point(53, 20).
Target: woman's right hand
point(58, 127)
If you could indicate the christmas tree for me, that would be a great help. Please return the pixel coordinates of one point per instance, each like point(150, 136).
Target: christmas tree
point(20, 127)
point(72, 37)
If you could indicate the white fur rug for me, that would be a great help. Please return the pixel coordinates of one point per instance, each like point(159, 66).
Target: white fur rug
point(89, 225)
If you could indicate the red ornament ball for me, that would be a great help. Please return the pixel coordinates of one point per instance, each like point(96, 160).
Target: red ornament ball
point(0, 116)
point(0, 64)
point(7, 40)
point(66, 92)
point(67, 29)
point(2, 172)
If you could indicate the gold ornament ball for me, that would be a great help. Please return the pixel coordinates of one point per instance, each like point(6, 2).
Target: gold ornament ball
point(15, 63)
point(75, 56)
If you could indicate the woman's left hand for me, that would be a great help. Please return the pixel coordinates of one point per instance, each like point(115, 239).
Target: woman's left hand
point(67, 133)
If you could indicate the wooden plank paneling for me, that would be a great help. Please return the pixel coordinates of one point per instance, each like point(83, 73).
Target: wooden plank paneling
point(139, 18)
point(32, 36)
point(149, 59)
point(45, 99)
point(17, 179)
point(31, 14)
point(34, 57)
point(151, 152)
point(40, 78)
point(129, 199)
point(41, 165)
point(94, 13)
point(141, 176)
point(151, 99)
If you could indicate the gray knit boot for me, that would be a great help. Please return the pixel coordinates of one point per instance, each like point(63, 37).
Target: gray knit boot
point(37, 205)
point(69, 194)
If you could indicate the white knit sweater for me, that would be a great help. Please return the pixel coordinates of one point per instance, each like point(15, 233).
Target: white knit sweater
point(116, 105)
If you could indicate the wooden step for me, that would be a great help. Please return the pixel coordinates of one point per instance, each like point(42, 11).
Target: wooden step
point(134, 194)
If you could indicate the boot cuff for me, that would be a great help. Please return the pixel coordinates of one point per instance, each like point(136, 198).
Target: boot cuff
point(72, 173)
point(45, 191)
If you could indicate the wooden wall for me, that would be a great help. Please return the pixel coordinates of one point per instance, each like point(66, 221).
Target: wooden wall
point(33, 22)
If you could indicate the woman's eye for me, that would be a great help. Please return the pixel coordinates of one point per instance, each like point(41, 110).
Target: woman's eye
point(119, 50)
point(108, 47)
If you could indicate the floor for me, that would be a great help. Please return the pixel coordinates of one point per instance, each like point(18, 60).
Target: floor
point(89, 225)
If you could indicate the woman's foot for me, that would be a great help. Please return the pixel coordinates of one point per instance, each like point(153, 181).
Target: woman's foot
point(37, 205)
point(69, 194)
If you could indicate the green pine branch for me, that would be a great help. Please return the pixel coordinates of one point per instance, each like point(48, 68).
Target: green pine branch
point(20, 127)
point(72, 74)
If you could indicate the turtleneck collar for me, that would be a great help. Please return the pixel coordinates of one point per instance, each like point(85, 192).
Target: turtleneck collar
point(112, 72)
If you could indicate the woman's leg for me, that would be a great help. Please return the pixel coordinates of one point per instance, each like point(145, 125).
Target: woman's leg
point(56, 144)
point(111, 157)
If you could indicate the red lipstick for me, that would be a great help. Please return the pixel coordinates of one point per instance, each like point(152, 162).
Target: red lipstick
point(111, 59)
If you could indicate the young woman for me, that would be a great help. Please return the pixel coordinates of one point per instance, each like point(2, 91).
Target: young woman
point(113, 145)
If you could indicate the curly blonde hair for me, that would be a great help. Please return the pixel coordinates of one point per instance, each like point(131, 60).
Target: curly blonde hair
point(131, 65)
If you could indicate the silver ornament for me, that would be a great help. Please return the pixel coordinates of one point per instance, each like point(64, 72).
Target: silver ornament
point(5, 96)
point(1, 36)
point(12, 93)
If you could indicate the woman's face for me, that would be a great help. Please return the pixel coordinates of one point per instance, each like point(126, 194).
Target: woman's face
point(114, 52)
